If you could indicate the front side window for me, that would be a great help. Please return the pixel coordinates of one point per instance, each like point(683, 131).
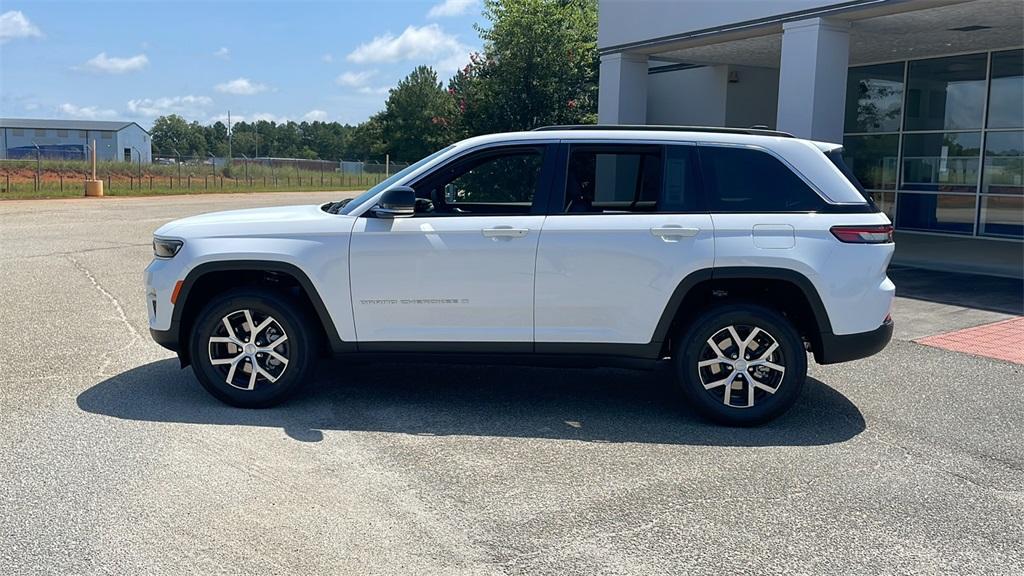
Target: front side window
point(501, 181)
point(505, 179)
point(749, 180)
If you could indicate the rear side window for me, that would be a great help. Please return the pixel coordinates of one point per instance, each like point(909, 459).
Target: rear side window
point(749, 180)
point(613, 179)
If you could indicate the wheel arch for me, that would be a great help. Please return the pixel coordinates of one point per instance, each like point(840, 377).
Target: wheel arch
point(211, 278)
point(790, 291)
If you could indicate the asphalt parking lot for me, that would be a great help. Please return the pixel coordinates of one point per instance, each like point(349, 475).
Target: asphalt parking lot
point(113, 460)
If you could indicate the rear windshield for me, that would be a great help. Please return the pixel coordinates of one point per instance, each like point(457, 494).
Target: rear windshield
point(836, 156)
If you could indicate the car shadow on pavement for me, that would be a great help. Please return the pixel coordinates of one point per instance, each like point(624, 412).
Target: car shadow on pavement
point(590, 405)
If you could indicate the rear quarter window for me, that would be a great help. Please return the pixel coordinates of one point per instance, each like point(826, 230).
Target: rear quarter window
point(750, 180)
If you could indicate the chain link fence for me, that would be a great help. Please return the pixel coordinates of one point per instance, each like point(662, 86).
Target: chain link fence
point(64, 173)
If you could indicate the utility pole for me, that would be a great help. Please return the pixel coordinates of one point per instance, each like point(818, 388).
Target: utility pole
point(229, 136)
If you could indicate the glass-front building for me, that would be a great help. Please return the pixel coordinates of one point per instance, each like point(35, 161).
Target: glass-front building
point(940, 141)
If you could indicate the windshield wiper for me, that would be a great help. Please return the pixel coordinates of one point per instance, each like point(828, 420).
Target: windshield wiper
point(335, 207)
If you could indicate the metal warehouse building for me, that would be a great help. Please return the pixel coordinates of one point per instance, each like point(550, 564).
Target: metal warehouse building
point(926, 96)
point(70, 139)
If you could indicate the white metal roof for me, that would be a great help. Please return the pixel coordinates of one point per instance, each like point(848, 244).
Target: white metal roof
point(60, 124)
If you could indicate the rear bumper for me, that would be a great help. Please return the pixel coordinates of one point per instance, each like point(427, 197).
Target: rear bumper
point(846, 347)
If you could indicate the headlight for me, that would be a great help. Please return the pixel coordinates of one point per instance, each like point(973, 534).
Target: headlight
point(165, 248)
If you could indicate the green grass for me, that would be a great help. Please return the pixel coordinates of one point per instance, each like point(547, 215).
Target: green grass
point(18, 179)
point(73, 187)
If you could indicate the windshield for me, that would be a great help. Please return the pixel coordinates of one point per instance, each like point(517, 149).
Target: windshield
point(355, 202)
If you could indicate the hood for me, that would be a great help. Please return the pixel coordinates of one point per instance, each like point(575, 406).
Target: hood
point(253, 222)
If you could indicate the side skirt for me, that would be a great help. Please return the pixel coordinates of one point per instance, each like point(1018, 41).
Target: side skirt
point(579, 355)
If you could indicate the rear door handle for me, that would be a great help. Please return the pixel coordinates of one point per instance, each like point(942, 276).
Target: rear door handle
point(672, 232)
point(505, 232)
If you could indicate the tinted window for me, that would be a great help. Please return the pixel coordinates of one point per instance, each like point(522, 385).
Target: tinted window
point(614, 178)
point(682, 184)
point(1007, 93)
point(836, 156)
point(746, 180)
point(940, 162)
point(874, 98)
point(946, 93)
point(500, 179)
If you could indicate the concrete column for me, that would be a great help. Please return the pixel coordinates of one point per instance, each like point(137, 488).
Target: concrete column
point(622, 93)
point(812, 78)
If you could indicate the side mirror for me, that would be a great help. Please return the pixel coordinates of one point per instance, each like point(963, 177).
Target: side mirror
point(397, 202)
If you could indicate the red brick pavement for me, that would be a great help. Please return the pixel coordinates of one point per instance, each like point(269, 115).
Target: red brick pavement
point(1001, 340)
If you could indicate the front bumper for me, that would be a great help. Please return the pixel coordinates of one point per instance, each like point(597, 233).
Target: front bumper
point(166, 338)
point(846, 347)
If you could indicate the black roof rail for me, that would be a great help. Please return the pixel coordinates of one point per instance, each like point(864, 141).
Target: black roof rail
point(661, 128)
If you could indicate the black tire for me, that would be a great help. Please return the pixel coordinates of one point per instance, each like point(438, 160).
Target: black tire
point(299, 347)
point(714, 324)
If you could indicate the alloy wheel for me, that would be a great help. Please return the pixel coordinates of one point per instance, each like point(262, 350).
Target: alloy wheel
point(249, 349)
point(741, 365)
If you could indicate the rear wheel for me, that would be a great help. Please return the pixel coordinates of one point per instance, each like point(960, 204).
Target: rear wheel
point(741, 364)
point(252, 348)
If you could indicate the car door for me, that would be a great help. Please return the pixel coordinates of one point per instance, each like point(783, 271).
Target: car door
point(629, 226)
point(461, 270)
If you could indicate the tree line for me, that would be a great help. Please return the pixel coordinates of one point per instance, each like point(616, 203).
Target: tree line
point(538, 67)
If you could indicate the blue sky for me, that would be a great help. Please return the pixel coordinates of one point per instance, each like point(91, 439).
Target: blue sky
point(272, 60)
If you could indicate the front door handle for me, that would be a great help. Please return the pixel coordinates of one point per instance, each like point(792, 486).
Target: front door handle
point(505, 232)
point(672, 232)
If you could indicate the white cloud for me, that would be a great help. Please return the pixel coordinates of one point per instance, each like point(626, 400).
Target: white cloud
point(87, 112)
point(241, 87)
point(223, 53)
point(115, 65)
point(315, 115)
point(428, 42)
point(14, 24)
point(449, 8)
point(328, 57)
point(378, 90)
point(355, 79)
point(189, 106)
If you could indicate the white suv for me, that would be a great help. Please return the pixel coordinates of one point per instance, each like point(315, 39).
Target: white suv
point(730, 252)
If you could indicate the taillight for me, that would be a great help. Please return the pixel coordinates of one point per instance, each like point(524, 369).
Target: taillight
point(863, 234)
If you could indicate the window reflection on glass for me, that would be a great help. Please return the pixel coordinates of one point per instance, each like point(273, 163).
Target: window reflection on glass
point(511, 178)
point(936, 212)
point(941, 162)
point(946, 93)
point(1002, 216)
point(1006, 100)
point(1004, 163)
point(874, 98)
point(873, 159)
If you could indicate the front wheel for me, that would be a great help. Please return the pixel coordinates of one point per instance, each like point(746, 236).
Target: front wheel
point(252, 348)
point(741, 364)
